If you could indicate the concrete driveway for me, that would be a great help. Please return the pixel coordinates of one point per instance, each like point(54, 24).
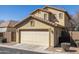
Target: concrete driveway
point(21, 48)
point(13, 48)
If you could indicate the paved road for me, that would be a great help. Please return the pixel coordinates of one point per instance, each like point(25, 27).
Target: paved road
point(4, 50)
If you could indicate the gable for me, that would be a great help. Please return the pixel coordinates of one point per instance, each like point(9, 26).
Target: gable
point(41, 14)
point(47, 23)
point(37, 25)
point(56, 9)
point(55, 12)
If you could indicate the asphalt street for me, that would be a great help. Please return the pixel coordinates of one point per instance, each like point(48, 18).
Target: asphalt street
point(4, 50)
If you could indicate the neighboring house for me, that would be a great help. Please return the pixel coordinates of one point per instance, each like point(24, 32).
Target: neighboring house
point(43, 27)
point(7, 30)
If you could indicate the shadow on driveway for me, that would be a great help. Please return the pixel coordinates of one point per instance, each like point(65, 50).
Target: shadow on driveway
point(5, 50)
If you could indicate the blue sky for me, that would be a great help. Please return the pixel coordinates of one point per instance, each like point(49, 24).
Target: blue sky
point(19, 12)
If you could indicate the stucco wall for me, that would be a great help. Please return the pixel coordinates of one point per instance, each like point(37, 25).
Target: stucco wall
point(74, 35)
point(67, 22)
point(56, 13)
point(7, 35)
point(57, 35)
point(40, 14)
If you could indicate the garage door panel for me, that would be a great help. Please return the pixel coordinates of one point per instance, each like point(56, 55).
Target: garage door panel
point(35, 37)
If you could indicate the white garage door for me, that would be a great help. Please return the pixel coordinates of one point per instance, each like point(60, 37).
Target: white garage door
point(35, 37)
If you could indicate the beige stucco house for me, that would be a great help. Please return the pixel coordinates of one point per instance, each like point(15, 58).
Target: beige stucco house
point(43, 27)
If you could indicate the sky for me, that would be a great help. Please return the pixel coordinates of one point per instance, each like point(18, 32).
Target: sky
point(20, 12)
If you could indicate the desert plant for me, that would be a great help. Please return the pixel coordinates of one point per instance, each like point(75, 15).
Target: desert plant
point(65, 46)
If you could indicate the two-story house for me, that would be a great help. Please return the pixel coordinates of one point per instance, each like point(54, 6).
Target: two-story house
point(43, 27)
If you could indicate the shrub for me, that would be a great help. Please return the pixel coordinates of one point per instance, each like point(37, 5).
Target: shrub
point(4, 40)
point(65, 46)
point(77, 42)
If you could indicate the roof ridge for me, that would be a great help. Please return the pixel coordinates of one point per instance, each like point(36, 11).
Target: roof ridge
point(55, 8)
point(40, 10)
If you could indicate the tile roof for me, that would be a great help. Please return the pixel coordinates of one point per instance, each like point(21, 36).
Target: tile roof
point(62, 10)
point(46, 21)
point(41, 10)
point(39, 19)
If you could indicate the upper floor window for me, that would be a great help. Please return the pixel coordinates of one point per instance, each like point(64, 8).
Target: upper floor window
point(32, 23)
point(60, 15)
point(45, 16)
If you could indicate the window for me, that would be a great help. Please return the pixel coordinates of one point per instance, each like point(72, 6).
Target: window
point(32, 23)
point(60, 15)
point(45, 16)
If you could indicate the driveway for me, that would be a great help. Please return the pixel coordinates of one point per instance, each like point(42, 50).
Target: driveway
point(14, 48)
point(5, 50)
point(31, 49)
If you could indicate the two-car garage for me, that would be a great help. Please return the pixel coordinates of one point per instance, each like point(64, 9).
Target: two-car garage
point(36, 37)
point(41, 33)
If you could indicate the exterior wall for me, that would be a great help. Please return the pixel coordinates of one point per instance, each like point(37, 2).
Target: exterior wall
point(56, 13)
point(7, 29)
point(67, 22)
point(17, 35)
point(38, 25)
point(11, 30)
point(64, 21)
point(10, 34)
point(74, 35)
point(7, 35)
point(13, 36)
point(57, 35)
point(40, 14)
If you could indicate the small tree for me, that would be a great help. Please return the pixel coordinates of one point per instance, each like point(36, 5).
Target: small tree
point(77, 28)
